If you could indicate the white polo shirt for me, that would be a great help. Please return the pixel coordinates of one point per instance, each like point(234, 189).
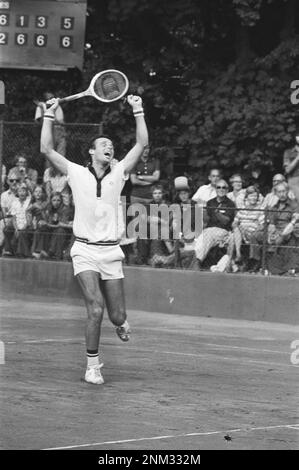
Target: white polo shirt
point(204, 193)
point(96, 218)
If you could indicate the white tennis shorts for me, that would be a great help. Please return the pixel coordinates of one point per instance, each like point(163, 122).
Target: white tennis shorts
point(105, 260)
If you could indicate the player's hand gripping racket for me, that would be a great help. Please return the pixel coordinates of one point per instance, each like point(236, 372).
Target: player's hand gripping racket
point(107, 86)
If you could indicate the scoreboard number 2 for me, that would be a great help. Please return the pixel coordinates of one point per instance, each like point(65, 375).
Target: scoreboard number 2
point(3, 38)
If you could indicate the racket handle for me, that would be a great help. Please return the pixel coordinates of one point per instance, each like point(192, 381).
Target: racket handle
point(73, 97)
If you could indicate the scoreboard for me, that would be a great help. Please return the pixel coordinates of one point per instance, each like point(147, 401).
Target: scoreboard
point(42, 34)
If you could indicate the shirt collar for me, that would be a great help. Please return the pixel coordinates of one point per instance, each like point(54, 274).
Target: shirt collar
point(99, 180)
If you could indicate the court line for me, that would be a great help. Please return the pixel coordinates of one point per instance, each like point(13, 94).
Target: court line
point(176, 353)
point(226, 346)
point(175, 436)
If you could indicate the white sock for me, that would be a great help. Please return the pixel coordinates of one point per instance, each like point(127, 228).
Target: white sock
point(92, 359)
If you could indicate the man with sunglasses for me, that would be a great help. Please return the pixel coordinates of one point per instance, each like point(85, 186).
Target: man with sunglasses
point(6, 201)
point(220, 213)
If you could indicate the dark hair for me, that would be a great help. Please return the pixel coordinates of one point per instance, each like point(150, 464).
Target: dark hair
point(158, 187)
point(214, 168)
point(91, 144)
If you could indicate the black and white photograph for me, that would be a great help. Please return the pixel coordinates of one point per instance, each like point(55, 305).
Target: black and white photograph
point(149, 230)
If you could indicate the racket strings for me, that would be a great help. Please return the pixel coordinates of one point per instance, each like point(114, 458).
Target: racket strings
point(110, 86)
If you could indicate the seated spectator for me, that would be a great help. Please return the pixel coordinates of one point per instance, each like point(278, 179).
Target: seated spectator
point(54, 231)
point(207, 192)
point(36, 212)
point(6, 200)
point(237, 195)
point(257, 176)
point(247, 221)
point(220, 215)
point(280, 217)
point(185, 225)
point(26, 175)
point(143, 177)
point(271, 198)
point(17, 236)
point(54, 181)
point(59, 132)
point(157, 247)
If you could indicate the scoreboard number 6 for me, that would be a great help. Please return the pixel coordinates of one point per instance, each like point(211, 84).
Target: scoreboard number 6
point(21, 39)
point(4, 20)
point(40, 40)
point(66, 42)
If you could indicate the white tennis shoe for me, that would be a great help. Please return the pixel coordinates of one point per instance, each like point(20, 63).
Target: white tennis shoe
point(123, 331)
point(93, 375)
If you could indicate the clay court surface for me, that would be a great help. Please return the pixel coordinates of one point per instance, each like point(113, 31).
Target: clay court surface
point(182, 382)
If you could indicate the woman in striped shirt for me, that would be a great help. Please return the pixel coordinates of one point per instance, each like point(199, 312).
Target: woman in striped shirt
point(247, 220)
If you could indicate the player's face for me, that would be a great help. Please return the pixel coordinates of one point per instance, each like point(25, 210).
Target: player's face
point(103, 151)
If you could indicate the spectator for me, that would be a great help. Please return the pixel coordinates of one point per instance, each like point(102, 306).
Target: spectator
point(143, 177)
point(17, 237)
point(247, 220)
point(291, 166)
point(208, 191)
point(158, 247)
point(271, 198)
point(26, 175)
point(36, 213)
point(54, 181)
point(6, 200)
point(185, 252)
point(257, 176)
point(237, 195)
point(279, 218)
point(220, 215)
point(59, 128)
point(53, 232)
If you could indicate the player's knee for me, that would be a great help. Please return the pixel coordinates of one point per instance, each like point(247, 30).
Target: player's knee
point(118, 316)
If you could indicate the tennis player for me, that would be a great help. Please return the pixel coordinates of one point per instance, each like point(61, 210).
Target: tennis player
point(96, 254)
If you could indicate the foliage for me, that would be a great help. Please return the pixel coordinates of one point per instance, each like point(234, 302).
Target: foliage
point(214, 75)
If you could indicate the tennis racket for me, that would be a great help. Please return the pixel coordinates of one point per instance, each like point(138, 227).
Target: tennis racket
point(107, 86)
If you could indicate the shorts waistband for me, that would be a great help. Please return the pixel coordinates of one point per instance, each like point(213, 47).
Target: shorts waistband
point(99, 243)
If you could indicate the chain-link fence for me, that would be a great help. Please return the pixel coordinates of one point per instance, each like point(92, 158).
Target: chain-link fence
point(258, 240)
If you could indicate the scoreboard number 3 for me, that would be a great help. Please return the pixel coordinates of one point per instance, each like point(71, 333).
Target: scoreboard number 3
point(41, 21)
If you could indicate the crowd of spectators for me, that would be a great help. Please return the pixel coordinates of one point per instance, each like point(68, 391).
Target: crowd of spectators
point(232, 226)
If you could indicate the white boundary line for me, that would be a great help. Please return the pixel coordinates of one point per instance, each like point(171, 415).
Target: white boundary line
point(175, 436)
point(177, 353)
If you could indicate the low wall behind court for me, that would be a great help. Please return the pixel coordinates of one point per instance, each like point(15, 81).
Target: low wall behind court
point(239, 296)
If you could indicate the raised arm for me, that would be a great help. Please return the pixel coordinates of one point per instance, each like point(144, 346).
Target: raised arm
point(135, 153)
point(47, 144)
